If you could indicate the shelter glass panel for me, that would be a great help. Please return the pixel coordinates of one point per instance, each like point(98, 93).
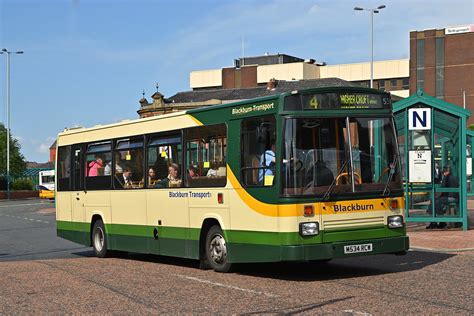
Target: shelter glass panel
point(419, 203)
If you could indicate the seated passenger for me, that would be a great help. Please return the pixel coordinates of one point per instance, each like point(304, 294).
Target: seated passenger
point(267, 160)
point(151, 177)
point(95, 166)
point(118, 168)
point(124, 180)
point(172, 180)
point(192, 172)
point(212, 172)
point(324, 175)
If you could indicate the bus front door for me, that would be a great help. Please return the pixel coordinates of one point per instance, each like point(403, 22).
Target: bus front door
point(78, 193)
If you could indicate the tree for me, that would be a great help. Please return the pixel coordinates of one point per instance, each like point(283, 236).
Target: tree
point(17, 160)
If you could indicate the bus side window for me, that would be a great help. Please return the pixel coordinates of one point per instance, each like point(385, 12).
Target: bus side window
point(258, 138)
point(98, 155)
point(128, 164)
point(164, 155)
point(206, 153)
point(64, 168)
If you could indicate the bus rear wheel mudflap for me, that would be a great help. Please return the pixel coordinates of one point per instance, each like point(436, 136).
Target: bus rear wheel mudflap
point(216, 250)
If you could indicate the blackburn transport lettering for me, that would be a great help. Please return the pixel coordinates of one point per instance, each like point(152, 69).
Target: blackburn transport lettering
point(304, 175)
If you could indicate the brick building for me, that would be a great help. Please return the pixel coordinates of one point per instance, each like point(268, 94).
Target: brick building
point(251, 72)
point(442, 64)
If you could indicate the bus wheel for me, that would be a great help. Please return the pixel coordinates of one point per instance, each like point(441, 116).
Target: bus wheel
point(216, 250)
point(99, 239)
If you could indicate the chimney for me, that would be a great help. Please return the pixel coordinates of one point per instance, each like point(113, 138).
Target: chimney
point(271, 84)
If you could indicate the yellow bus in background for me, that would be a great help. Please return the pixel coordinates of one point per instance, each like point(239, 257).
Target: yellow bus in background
point(46, 184)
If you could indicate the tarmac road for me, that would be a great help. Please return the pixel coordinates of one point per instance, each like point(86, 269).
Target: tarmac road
point(42, 273)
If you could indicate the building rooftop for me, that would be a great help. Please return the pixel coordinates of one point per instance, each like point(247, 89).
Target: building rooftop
point(279, 86)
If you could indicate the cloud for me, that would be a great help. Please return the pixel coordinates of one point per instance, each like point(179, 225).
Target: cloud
point(43, 146)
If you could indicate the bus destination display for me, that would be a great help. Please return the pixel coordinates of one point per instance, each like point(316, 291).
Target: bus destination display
point(342, 100)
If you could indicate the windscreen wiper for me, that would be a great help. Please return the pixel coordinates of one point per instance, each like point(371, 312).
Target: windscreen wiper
point(390, 175)
point(328, 191)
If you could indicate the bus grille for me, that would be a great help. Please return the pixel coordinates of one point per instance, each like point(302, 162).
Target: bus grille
point(354, 222)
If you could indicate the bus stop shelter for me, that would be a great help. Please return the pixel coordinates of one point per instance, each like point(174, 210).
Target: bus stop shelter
point(432, 135)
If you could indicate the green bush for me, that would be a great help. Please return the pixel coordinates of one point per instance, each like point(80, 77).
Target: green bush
point(22, 184)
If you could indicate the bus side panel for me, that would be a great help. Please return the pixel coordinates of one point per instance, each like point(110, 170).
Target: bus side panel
point(203, 204)
point(253, 237)
point(127, 229)
point(168, 212)
point(97, 203)
point(64, 224)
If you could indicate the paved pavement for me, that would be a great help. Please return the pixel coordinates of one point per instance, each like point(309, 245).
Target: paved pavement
point(41, 273)
point(443, 240)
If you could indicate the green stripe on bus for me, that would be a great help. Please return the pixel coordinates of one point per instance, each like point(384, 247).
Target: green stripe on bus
point(240, 236)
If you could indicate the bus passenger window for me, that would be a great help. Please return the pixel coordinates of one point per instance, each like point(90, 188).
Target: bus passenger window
point(164, 161)
point(258, 155)
point(128, 163)
point(206, 151)
point(97, 157)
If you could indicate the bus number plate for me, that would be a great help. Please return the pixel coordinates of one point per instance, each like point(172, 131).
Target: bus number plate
point(358, 248)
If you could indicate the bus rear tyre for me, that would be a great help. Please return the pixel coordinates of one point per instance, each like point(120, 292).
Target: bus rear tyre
point(99, 239)
point(216, 250)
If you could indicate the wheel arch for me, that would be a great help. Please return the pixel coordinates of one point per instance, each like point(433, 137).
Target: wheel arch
point(95, 217)
point(207, 223)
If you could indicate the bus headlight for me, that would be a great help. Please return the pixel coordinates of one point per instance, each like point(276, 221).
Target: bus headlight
point(309, 229)
point(395, 221)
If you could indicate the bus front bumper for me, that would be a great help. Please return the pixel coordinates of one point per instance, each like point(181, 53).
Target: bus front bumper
point(392, 245)
point(307, 252)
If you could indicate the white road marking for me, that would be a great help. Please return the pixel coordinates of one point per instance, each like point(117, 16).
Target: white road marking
point(14, 205)
point(225, 285)
point(26, 218)
point(353, 312)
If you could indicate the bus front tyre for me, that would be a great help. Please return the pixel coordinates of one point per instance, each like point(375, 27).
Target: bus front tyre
point(99, 239)
point(216, 250)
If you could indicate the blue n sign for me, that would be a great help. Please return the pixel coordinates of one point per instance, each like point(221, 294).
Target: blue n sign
point(419, 119)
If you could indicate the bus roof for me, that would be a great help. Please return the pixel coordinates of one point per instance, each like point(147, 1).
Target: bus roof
point(77, 131)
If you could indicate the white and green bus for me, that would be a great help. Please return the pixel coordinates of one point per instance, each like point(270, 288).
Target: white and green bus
point(301, 176)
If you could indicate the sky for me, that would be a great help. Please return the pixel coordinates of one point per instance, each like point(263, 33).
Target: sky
point(87, 62)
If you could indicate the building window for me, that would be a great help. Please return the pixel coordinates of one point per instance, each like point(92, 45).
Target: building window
point(206, 151)
point(440, 67)
point(394, 83)
point(97, 157)
point(258, 151)
point(420, 64)
point(382, 84)
point(406, 83)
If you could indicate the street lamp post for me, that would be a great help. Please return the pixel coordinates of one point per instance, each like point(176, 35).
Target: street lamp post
point(5, 51)
point(372, 12)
